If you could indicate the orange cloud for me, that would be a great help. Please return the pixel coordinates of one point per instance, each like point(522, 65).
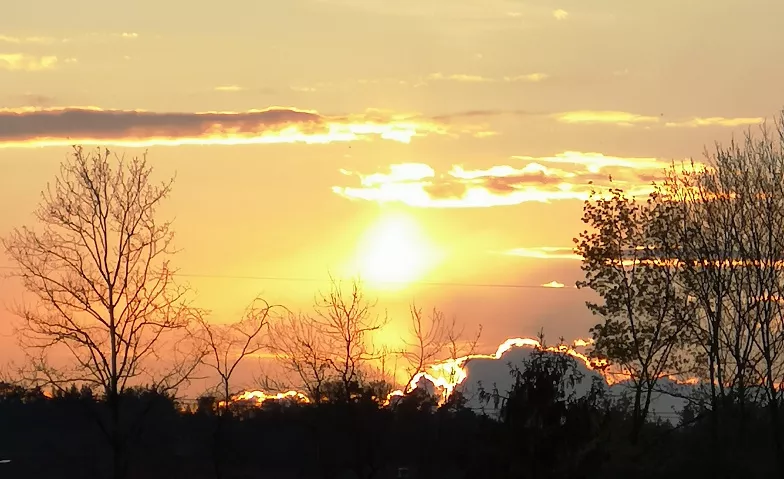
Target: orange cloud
point(90, 125)
point(531, 77)
point(567, 176)
point(545, 252)
point(229, 88)
point(715, 121)
point(47, 40)
point(623, 118)
point(24, 62)
point(19, 40)
point(604, 116)
point(461, 77)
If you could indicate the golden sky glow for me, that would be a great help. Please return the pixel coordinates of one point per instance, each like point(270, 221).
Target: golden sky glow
point(413, 142)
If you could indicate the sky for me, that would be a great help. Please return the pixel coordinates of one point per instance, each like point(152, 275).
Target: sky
point(440, 148)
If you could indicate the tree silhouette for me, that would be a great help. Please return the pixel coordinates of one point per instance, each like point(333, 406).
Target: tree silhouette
point(227, 346)
point(332, 346)
point(731, 251)
point(625, 260)
point(105, 291)
point(433, 339)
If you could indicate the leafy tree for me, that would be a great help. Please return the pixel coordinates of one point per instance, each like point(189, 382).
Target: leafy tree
point(625, 261)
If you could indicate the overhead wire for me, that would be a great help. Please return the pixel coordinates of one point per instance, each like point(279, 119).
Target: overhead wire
point(320, 280)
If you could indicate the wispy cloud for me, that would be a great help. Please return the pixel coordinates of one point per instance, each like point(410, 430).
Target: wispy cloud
point(229, 88)
point(715, 121)
point(90, 125)
point(469, 78)
point(460, 77)
point(560, 14)
point(484, 113)
point(544, 252)
point(567, 176)
point(531, 77)
point(33, 39)
point(49, 40)
point(612, 117)
point(596, 162)
point(24, 62)
point(623, 118)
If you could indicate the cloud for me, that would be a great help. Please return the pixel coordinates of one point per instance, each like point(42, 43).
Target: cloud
point(716, 121)
point(229, 88)
point(460, 77)
point(566, 176)
point(489, 372)
point(483, 113)
point(37, 40)
point(90, 125)
point(531, 77)
point(622, 118)
point(24, 62)
point(545, 252)
point(560, 14)
point(466, 78)
point(612, 117)
point(47, 40)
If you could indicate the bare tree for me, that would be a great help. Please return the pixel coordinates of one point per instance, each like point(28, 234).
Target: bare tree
point(346, 320)
point(299, 347)
point(228, 345)
point(732, 250)
point(332, 345)
point(99, 270)
point(431, 336)
point(434, 339)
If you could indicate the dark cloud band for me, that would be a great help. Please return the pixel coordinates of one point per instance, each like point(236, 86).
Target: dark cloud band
point(85, 123)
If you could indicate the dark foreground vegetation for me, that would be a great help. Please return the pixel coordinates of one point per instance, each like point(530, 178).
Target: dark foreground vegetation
point(544, 432)
point(689, 281)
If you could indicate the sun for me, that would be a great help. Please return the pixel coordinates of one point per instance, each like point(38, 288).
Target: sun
point(395, 252)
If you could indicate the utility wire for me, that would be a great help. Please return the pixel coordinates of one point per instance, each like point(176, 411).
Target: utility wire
point(319, 280)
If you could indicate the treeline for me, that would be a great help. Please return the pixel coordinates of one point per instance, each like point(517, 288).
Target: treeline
point(545, 431)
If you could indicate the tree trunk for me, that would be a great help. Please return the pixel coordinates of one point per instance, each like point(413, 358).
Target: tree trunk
point(715, 443)
point(118, 450)
point(773, 409)
point(637, 414)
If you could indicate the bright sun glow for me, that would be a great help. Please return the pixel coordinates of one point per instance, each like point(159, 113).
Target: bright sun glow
point(394, 252)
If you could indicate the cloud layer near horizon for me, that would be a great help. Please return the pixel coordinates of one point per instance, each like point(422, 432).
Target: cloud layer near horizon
point(89, 125)
point(61, 126)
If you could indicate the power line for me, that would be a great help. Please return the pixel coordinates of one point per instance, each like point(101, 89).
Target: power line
point(321, 280)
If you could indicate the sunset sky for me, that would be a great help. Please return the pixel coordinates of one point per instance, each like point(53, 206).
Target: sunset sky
point(413, 141)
